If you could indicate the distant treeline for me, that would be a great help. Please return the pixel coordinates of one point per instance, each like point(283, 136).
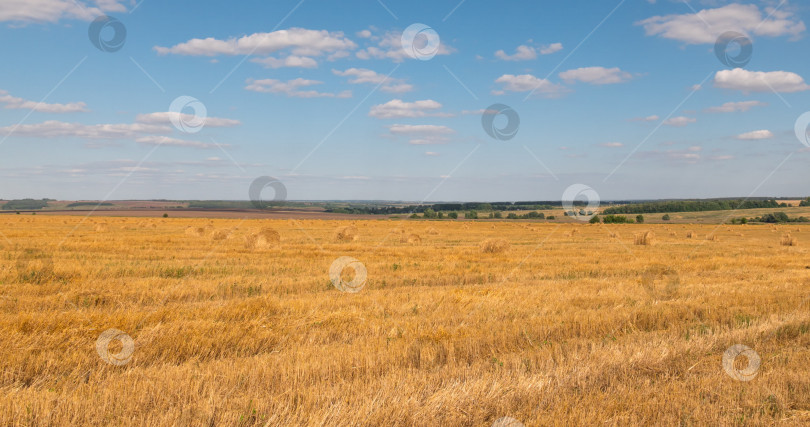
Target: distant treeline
point(445, 207)
point(83, 204)
point(25, 204)
point(692, 206)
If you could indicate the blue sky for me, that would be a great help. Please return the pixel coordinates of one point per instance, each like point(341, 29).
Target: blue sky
point(627, 97)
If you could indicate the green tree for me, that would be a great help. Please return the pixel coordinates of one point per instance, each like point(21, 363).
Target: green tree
point(595, 220)
point(453, 215)
point(640, 219)
point(665, 217)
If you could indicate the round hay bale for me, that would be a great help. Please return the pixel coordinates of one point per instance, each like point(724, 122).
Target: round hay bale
point(221, 234)
point(494, 246)
point(411, 239)
point(432, 231)
point(644, 239)
point(788, 240)
point(265, 238)
point(346, 234)
point(195, 231)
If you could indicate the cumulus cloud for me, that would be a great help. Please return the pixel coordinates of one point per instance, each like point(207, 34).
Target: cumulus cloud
point(14, 103)
point(527, 83)
point(523, 53)
point(389, 46)
point(54, 128)
point(760, 81)
point(290, 61)
point(301, 42)
point(292, 88)
point(612, 145)
point(735, 107)
point(397, 109)
point(175, 142)
point(302, 45)
point(552, 48)
point(680, 121)
point(708, 24)
point(165, 118)
point(755, 135)
point(596, 75)
point(31, 11)
point(363, 75)
point(652, 118)
point(423, 134)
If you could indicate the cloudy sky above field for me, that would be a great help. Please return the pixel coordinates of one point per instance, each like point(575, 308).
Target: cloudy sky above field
point(627, 97)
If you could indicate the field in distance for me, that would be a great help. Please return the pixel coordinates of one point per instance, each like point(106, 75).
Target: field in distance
point(238, 322)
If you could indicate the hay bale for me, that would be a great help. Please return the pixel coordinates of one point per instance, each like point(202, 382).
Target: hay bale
point(788, 240)
point(644, 239)
point(690, 234)
point(346, 234)
point(614, 235)
point(221, 234)
point(712, 238)
point(494, 246)
point(432, 231)
point(195, 231)
point(411, 239)
point(265, 238)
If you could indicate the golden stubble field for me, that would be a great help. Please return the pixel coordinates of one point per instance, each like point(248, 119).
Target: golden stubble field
point(569, 324)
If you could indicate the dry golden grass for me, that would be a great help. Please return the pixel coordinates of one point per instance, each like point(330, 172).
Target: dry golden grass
point(411, 239)
point(555, 331)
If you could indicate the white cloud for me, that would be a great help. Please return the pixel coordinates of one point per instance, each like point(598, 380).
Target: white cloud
point(596, 75)
point(389, 46)
point(708, 24)
point(54, 10)
point(760, 81)
point(652, 118)
point(431, 153)
point(528, 83)
point(423, 134)
point(364, 34)
point(175, 142)
point(397, 108)
point(292, 88)
point(612, 145)
point(14, 103)
point(363, 75)
point(735, 107)
point(680, 121)
point(552, 48)
point(523, 53)
point(165, 118)
point(53, 128)
point(290, 61)
point(757, 134)
point(302, 44)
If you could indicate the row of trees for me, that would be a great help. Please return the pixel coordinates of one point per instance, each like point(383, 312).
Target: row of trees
point(692, 206)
